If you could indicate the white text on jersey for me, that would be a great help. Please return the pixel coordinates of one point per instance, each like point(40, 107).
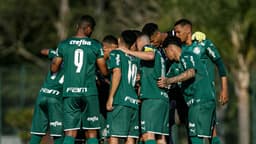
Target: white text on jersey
point(76, 89)
point(80, 42)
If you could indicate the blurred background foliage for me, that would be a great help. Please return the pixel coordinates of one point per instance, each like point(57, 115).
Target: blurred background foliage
point(28, 26)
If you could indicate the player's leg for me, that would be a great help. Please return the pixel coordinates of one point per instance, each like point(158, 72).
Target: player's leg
point(215, 139)
point(171, 119)
point(91, 118)
point(147, 136)
point(201, 120)
point(134, 132)
point(71, 118)
point(55, 113)
point(196, 140)
point(35, 139)
point(157, 123)
point(130, 140)
point(118, 123)
point(39, 121)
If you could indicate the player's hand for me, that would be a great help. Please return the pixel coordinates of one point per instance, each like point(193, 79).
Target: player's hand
point(199, 36)
point(109, 105)
point(162, 82)
point(45, 52)
point(127, 51)
point(223, 98)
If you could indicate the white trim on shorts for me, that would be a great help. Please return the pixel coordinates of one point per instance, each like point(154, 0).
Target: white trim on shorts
point(55, 135)
point(158, 133)
point(91, 128)
point(121, 136)
point(71, 129)
point(204, 136)
point(37, 133)
point(133, 136)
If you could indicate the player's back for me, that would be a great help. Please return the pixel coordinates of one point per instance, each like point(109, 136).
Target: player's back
point(79, 57)
point(125, 94)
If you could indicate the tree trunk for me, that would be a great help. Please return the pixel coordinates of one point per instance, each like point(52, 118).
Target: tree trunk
point(241, 83)
point(62, 24)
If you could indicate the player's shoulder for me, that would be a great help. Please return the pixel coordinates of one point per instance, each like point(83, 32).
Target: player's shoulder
point(186, 54)
point(116, 51)
point(207, 42)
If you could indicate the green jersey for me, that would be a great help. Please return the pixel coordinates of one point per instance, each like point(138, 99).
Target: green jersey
point(197, 89)
point(150, 72)
point(207, 52)
point(125, 94)
point(53, 83)
point(79, 57)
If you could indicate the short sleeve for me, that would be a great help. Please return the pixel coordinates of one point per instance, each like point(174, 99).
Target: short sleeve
point(188, 61)
point(59, 50)
point(114, 59)
point(99, 50)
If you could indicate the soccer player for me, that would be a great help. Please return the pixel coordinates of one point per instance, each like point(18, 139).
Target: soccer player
point(209, 55)
point(175, 100)
point(103, 83)
point(48, 113)
point(154, 99)
point(109, 43)
point(122, 104)
point(196, 89)
point(80, 105)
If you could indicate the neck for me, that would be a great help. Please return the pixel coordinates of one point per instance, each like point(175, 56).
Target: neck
point(80, 34)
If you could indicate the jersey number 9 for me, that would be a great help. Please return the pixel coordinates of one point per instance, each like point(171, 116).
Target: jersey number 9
point(78, 59)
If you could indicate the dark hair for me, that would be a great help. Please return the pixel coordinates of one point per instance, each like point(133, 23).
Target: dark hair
point(183, 22)
point(110, 39)
point(129, 37)
point(137, 33)
point(172, 40)
point(149, 29)
point(86, 20)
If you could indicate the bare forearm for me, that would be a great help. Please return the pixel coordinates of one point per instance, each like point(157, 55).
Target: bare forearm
point(116, 77)
point(143, 55)
point(224, 83)
point(188, 74)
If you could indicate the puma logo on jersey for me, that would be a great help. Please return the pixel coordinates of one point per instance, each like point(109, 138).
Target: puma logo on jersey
point(49, 91)
point(79, 42)
point(76, 89)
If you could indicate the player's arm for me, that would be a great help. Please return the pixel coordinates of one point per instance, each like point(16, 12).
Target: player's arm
point(188, 63)
point(223, 97)
point(51, 53)
point(144, 55)
point(186, 75)
point(55, 65)
point(214, 55)
point(102, 66)
point(116, 77)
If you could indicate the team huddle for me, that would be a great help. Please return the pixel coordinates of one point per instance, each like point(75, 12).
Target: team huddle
point(128, 88)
